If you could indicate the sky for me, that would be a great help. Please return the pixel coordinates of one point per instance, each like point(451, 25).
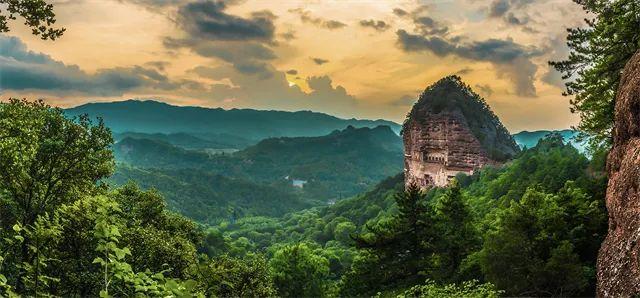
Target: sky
point(349, 58)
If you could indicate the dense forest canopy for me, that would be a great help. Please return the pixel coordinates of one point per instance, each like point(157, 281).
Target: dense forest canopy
point(260, 179)
point(475, 230)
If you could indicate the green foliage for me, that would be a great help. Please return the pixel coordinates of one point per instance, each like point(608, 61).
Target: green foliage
point(37, 15)
point(298, 271)
point(48, 159)
point(65, 234)
point(115, 267)
point(456, 237)
point(542, 212)
point(598, 55)
point(468, 289)
point(401, 245)
point(545, 244)
point(424, 239)
point(226, 276)
point(211, 198)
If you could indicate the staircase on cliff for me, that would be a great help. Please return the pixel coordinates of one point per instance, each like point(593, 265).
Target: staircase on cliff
point(452, 130)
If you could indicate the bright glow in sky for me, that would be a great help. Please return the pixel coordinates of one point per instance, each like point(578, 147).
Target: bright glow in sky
point(363, 59)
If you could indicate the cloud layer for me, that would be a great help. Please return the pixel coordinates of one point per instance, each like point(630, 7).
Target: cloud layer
point(511, 60)
point(22, 69)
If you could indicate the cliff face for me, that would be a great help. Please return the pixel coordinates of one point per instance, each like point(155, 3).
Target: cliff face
point(452, 130)
point(619, 257)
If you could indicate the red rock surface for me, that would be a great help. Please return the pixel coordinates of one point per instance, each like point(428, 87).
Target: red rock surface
point(438, 146)
point(452, 130)
point(619, 257)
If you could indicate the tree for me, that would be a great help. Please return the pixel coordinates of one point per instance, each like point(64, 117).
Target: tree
point(598, 55)
point(396, 251)
point(226, 276)
point(343, 232)
point(299, 272)
point(47, 159)
point(468, 289)
point(457, 237)
point(541, 244)
point(37, 15)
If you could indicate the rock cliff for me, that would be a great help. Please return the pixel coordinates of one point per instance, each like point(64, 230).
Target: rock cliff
point(619, 257)
point(451, 130)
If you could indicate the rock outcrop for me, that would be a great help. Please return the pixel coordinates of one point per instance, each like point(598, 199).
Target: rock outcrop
point(619, 257)
point(451, 130)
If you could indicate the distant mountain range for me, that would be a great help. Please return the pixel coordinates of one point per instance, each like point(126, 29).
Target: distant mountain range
point(529, 139)
point(199, 128)
point(157, 117)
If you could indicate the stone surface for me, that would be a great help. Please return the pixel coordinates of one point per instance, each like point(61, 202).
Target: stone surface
point(439, 141)
point(619, 257)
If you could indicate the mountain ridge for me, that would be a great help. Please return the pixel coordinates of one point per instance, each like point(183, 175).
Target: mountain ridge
point(152, 116)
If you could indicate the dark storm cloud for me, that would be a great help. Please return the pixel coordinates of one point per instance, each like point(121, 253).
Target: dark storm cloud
point(289, 35)
point(511, 59)
point(246, 56)
point(26, 70)
point(416, 43)
point(244, 42)
point(319, 61)
point(292, 72)
point(424, 24)
point(507, 9)
point(228, 51)
point(376, 25)
point(498, 8)
point(510, 18)
point(154, 4)
point(306, 17)
point(207, 19)
point(429, 26)
point(159, 65)
point(464, 71)
point(400, 12)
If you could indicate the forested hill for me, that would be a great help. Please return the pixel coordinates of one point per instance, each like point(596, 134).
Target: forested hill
point(305, 170)
point(451, 96)
point(157, 117)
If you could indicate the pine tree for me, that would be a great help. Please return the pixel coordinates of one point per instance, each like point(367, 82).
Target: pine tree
point(457, 235)
point(400, 248)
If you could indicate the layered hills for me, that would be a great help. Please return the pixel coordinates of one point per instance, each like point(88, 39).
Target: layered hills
point(298, 171)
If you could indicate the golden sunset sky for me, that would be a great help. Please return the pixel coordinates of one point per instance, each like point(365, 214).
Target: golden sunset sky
point(363, 59)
